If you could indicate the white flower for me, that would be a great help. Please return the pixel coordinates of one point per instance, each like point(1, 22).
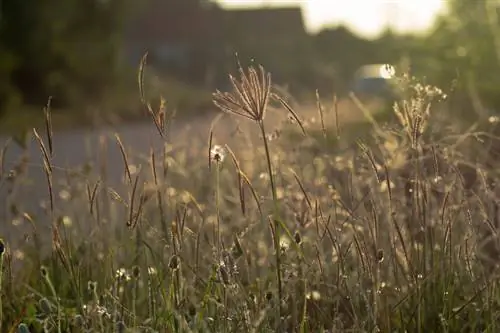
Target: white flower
point(493, 119)
point(151, 270)
point(122, 274)
point(217, 153)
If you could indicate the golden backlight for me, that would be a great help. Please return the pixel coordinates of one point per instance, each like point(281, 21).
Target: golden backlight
point(366, 17)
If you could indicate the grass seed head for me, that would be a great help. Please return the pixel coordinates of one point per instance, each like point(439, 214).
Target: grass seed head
point(250, 97)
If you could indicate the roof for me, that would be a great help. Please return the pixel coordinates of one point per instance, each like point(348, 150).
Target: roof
point(266, 21)
point(161, 21)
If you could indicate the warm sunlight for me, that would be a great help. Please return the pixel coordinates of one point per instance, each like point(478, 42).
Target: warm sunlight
point(366, 17)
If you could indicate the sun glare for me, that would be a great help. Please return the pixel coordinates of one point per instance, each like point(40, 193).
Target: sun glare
point(365, 17)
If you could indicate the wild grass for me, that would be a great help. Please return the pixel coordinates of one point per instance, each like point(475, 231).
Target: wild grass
point(293, 230)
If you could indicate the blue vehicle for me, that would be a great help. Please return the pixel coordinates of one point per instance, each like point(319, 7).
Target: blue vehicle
point(374, 81)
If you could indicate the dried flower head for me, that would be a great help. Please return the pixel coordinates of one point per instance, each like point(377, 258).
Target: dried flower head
point(217, 154)
point(136, 271)
point(44, 272)
point(380, 256)
point(45, 306)
point(92, 286)
point(174, 262)
point(122, 275)
point(250, 97)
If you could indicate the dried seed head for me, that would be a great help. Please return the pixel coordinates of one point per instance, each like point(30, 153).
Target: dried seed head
point(45, 306)
point(236, 250)
point(269, 296)
point(380, 256)
point(274, 135)
point(152, 270)
point(250, 96)
point(136, 271)
point(44, 272)
point(217, 154)
point(174, 262)
point(122, 275)
point(313, 295)
point(92, 286)
point(297, 238)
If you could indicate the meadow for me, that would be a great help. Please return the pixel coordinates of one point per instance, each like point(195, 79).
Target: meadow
point(310, 225)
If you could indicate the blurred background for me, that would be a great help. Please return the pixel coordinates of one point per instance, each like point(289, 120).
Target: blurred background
point(85, 53)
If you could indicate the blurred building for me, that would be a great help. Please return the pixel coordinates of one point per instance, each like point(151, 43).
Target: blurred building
point(197, 40)
point(178, 35)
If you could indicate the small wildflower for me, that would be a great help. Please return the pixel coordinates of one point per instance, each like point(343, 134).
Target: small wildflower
point(122, 275)
point(11, 176)
point(217, 154)
point(380, 256)
point(264, 176)
point(133, 169)
point(19, 255)
point(152, 270)
point(274, 135)
point(284, 244)
point(314, 295)
point(92, 286)
point(65, 221)
point(102, 311)
point(493, 119)
point(64, 195)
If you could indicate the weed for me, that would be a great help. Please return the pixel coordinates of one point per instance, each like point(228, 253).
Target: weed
point(393, 232)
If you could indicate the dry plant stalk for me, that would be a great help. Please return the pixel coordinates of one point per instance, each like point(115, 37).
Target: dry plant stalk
point(159, 118)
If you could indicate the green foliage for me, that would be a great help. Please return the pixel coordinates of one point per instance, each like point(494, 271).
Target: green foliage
point(66, 49)
point(464, 48)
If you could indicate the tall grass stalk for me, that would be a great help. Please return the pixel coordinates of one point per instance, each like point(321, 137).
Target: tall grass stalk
point(2, 254)
point(394, 234)
point(276, 219)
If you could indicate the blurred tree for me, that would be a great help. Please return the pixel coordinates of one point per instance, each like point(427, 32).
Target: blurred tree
point(464, 47)
point(68, 49)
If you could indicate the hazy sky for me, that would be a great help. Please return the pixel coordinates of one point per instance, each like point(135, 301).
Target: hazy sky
point(366, 17)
